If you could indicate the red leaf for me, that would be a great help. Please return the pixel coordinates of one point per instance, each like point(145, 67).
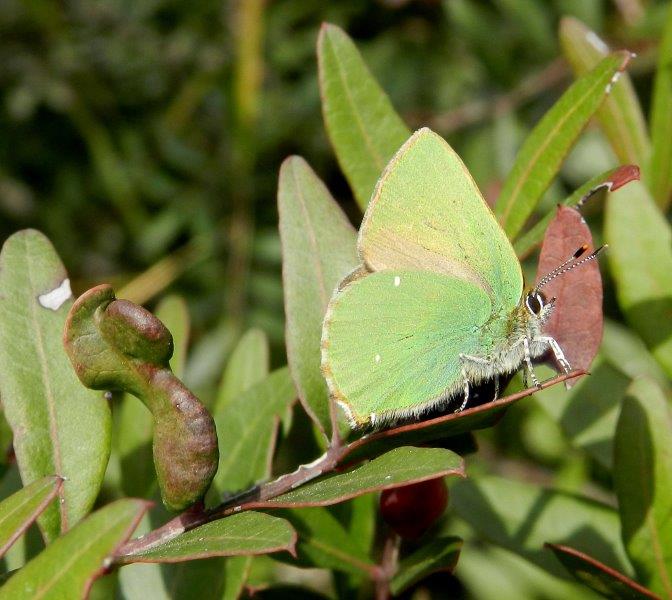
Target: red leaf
point(576, 322)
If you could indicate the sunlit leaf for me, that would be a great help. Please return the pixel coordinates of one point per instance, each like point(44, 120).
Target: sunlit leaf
point(545, 148)
point(640, 257)
point(59, 426)
point(643, 482)
point(660, 171)
point(19, 510)
point(364, 129)
point(318, 250)
point(523, 517)
point(621, 115)
point(397, 467)
point(67, 568)
point(244, 533)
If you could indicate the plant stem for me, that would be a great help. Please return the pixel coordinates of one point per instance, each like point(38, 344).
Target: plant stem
point(259, 495)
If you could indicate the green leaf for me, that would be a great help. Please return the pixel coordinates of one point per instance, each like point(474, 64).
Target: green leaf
point(620, 116)
point(438, 555)
point(247, 430)
point(612, 179)
point(640, 257)
point(19, 510)
point(364, 129)
point(643, 482)
point(587, 413)
point(59, 426)
point(115, 344)
point(522, 517)
point(239, 534)
point(173, 312)
point(598, 577)
point(660, 171)
point(545, 148)
point(400, 466)
point(247, 365)
point(325, 543)
point(318, 250)
point(68, 567)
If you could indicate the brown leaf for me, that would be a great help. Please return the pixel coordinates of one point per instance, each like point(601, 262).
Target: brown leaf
point(576, 322)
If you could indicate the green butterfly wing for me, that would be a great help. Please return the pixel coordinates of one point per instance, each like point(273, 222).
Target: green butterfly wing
point(427, 214)
point(392, 339)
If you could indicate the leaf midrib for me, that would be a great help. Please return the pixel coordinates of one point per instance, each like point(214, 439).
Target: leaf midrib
point(46, 382)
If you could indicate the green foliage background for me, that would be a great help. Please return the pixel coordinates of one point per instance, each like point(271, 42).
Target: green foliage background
point(144, 138)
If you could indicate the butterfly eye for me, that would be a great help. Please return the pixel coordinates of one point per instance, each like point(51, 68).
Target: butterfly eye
point(535, 301)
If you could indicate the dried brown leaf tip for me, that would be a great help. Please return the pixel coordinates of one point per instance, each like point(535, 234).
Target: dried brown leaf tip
point(117, 345)
point(576, 322)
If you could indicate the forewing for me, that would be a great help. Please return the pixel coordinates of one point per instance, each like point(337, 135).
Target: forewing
point(392, 339)
point(427, 214)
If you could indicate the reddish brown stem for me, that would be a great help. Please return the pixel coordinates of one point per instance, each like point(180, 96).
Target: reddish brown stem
point(256, 496)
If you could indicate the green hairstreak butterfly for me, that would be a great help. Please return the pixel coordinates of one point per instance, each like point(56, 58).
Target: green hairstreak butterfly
point(437, 305)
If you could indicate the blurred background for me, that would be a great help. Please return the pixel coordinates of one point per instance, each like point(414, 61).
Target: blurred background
point(144, 137)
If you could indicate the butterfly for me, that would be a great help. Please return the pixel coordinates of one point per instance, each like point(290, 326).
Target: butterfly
point(438, 304)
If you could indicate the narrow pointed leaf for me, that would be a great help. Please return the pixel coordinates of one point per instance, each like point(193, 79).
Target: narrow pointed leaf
point(59, 426)
point(22, 508)
point(247, 365)
point(660, 171)
point(242, 534)
point(68, 567)
point(611, 180)
point(620, 116)
point(599, 577)
point(400, 466)
point(438, 555)
point(318, 250)
point(522, 518)
point(544, 150)
point(247, 431)
point(640, 257)
point(364, 129)
point(643, 482)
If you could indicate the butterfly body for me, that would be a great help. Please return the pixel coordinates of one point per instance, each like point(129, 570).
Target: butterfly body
point(437, 304)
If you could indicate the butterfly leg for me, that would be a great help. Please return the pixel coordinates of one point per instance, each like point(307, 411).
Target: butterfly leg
point(557, 351)
point(474, 359)
point(528, 362)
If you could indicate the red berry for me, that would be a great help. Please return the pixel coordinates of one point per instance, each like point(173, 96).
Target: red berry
point(412, 509)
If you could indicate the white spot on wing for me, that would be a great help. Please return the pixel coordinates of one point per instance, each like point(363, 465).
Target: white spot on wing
point(56, 297)
point(377, 358)
point(397, 281)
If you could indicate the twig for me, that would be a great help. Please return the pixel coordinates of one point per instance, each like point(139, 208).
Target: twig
point(259, 495)
point(388, 565)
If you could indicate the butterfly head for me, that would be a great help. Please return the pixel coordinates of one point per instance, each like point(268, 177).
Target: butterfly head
point(536, 303)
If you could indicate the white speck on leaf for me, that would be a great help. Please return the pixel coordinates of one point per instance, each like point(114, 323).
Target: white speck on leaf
point(377, 358)
point(612, 82)
point(56, 297)
point(397, 281)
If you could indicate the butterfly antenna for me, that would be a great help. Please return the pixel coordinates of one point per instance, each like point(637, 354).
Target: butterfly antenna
point(570, 264)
